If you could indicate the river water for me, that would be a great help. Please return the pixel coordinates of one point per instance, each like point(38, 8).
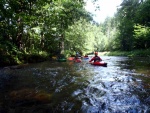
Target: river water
point(67, 87)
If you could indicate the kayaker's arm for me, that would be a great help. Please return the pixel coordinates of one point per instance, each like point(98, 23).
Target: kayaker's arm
point(91, 59)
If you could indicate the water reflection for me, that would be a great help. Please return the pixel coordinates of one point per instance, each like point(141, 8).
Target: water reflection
point(68, 87)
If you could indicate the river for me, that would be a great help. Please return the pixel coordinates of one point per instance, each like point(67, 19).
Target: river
point(67, 87)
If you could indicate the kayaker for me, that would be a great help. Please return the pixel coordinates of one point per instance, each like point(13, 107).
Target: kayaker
point(96, 58)
point(77, 58)
point(78, 55)
point(86, 55)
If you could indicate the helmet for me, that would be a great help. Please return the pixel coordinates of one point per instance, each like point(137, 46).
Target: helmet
point(96, 53)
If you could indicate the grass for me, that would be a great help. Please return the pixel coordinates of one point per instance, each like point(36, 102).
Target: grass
point(139, 53)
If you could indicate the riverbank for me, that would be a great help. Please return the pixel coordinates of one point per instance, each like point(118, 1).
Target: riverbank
point(135, 53)
point(33, 58)
point(21, 59)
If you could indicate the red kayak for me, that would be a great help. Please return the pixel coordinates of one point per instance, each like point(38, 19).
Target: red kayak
point(77, 60)
point(71, 58)
point(99, 64)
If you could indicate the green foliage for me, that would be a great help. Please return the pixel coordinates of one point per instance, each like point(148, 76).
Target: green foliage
point(31, 26)
point(9, 53)
point(41, 28)
point(84, 37)
point(75, 37)
point(36, 57)
point(129, 29)
point(142, 37)
point(109, 29)
point(142, 14)
point(139, 53)
point(128, 36)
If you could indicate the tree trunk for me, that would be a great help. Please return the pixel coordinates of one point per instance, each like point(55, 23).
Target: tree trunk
point(62, 44)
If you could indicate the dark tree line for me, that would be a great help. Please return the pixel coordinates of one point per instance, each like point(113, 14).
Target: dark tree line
point(36, 26)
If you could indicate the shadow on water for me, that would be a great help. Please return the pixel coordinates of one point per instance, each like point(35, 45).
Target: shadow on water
point(66, 87)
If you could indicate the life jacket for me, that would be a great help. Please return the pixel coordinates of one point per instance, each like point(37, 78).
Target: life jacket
point(96, 58)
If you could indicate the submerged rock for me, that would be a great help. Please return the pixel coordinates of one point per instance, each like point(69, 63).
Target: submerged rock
point(30, 95)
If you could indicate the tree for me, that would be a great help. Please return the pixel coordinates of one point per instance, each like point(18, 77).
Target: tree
point(31, 26)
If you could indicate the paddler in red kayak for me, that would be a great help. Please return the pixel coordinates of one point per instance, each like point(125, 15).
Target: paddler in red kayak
point(77, 59)
point(96, 58)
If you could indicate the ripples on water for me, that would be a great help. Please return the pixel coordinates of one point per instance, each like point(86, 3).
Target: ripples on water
point(67, 87)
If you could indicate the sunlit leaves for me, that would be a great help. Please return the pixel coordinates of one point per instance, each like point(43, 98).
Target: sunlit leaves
point(85, 37)
point(142, 37)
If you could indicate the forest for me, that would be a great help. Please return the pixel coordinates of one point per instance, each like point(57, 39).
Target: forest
point(36, 30)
